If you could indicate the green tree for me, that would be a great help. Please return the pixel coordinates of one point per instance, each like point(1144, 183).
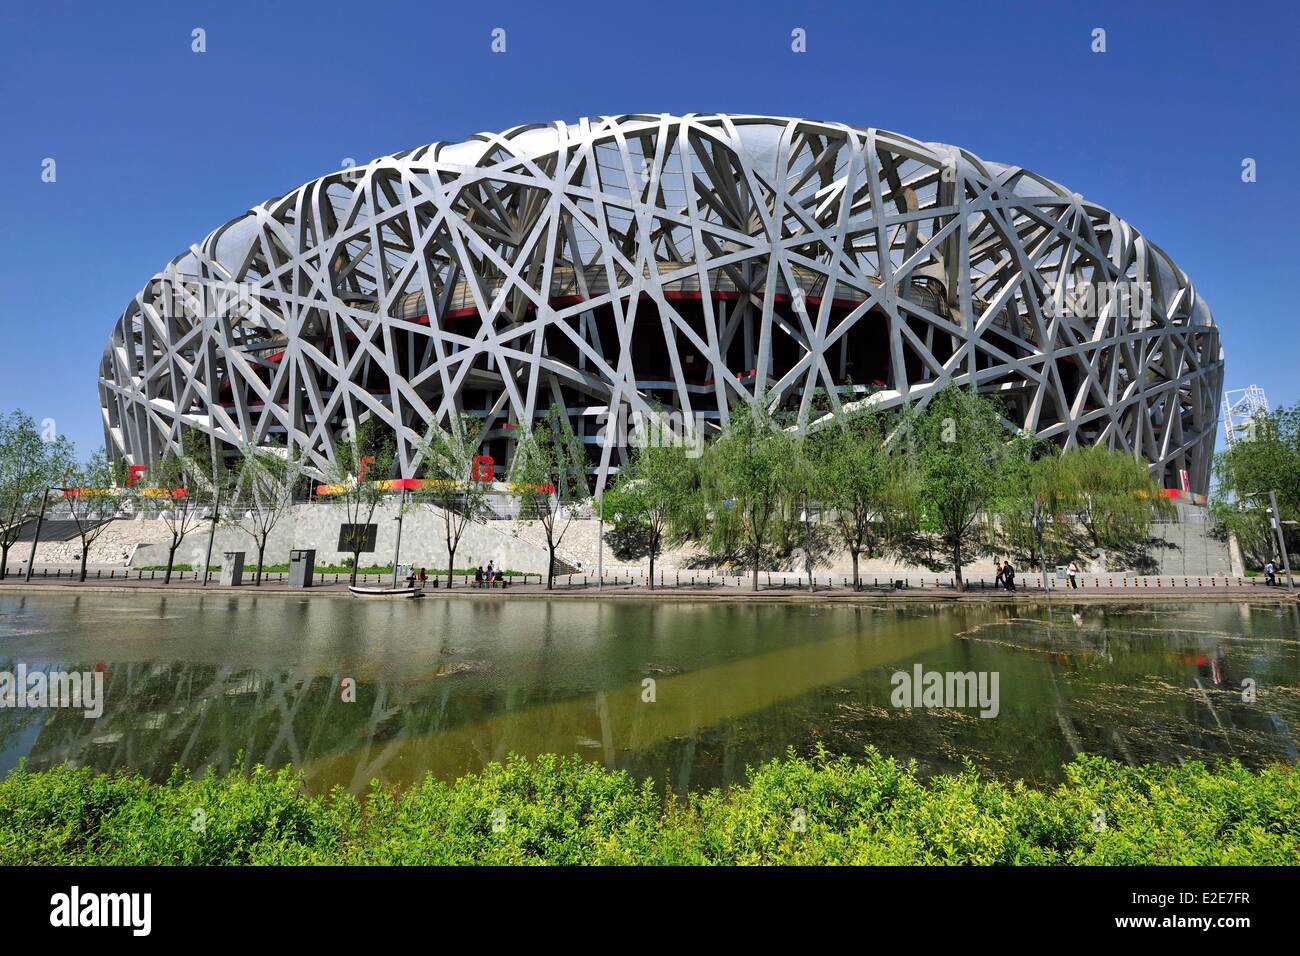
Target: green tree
point(94, 497)
point(960, 446)
point(450, 485)
point(866, 482)
point(1268, 459)
point(1028, 514)
point(361, 462)
point(261, 493)
point(745, 477)
point(1112, 496)
point(549, 476)
point(652, 496)
point(178, 488)
point(29, 464)
point(804, 519)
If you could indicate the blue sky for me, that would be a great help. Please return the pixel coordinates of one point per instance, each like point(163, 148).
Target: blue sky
point(156, 145)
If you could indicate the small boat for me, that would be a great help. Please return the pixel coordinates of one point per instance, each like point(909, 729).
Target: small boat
point(385, 592)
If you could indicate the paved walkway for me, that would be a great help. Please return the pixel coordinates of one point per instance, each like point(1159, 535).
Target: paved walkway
point(927, 588)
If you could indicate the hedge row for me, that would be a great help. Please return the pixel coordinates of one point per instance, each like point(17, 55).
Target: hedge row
point(563, 810)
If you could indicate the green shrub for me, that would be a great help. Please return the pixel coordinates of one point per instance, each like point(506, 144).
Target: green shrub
point(563, 810)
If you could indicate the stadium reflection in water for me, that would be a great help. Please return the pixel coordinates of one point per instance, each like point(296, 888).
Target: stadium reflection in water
point(444, 686)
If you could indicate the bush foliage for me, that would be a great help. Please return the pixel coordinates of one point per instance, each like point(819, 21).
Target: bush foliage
point(562, 810)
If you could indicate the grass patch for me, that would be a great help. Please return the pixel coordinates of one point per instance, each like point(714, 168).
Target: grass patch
point(563, 810)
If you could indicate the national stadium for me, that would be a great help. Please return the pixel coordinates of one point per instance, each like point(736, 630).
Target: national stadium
point(661, 265)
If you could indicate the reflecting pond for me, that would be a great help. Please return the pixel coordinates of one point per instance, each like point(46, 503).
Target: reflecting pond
point(688, 693)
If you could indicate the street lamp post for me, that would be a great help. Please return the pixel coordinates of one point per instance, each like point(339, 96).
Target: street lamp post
point(1276, 518)
point(397, 547)
point(36, 535)
point(600, 544)
point(1042, 558)
point(212, 533)
point(807, 541)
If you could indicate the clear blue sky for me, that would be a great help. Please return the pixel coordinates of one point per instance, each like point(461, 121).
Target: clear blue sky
point(156, 145)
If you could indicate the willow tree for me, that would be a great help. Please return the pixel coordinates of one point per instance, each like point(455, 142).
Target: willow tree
point(653, 497)
point(1030, 513)
point(1268, 459)
point(30, 463)
point(362, 462)
point(960, 448)
point(262, 493)
point(1111, 494)
point(746, 478)
point(866, 482)
point(456, 483)
point(178, 489)
point(94, 498)
point(549, 476)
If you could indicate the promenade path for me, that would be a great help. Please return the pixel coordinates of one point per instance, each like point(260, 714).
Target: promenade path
point(701, 585)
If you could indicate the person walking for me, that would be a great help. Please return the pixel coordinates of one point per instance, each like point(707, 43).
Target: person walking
point(1009, 575)
point(478, 576)
point(998, 580)
point(1270, 573)
point(1073, 573)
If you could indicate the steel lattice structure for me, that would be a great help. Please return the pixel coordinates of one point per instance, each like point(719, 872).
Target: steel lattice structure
point(654, 263)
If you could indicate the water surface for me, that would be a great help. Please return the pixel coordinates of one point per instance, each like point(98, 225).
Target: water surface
point(445, 685)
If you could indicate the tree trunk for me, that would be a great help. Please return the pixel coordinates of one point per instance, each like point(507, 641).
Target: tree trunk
point(550, 567)
point(652, 569)
point(261, 552)
point(85, 553)
point(171, 560)
point(4, 561)
point(956, 562)
point(356, 559)
point(857, 581)
point(451, 563)
point(755, 584)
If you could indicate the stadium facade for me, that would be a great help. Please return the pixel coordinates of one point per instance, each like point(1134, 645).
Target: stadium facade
point(659, 264)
